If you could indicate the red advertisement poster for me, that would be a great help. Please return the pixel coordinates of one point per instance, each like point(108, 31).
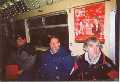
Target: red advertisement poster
point(89, 21)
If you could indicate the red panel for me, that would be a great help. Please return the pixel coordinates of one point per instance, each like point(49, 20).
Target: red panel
point(12, 71)
point(89, 21)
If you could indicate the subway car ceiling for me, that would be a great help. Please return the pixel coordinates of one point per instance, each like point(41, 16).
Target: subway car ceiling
point(21, 9)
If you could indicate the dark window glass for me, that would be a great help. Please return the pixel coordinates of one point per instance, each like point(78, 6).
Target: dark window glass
point(19, 27)
point(56, 19)
point(35, 22)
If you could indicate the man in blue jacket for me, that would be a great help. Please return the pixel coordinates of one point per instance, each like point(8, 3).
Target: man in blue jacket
point(56, 62)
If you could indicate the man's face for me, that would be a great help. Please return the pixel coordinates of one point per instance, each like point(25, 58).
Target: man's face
point(20, 41)
point(54, 45)
point(93, 49)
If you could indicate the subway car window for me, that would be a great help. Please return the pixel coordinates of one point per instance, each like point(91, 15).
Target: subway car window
point(48, 25)
point(19, 27)
point(35, 22)
point(56, 19)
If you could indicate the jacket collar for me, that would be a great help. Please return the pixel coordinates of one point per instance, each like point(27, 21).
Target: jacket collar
point(94, 61)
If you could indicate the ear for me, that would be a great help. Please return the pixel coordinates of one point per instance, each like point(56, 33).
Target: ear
point(59, 43)
point(85, 48)
point(101, 46)
point(25, 40)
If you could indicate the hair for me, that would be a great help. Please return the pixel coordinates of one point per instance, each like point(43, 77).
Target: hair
point(53, 36)
point(92, 39)
point(21, 36)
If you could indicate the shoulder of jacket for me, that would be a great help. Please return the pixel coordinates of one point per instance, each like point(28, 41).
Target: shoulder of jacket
point(80, 59)
point(81, 56)
point(46, 53)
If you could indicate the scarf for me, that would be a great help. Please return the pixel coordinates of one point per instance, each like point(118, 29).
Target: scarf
point(93, 61)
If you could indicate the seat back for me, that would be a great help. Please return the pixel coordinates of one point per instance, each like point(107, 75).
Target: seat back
point(11, 72)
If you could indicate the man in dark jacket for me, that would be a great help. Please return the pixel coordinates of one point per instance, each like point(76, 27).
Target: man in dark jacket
point(93, 64)
point(56, 62)
point(25, 58)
